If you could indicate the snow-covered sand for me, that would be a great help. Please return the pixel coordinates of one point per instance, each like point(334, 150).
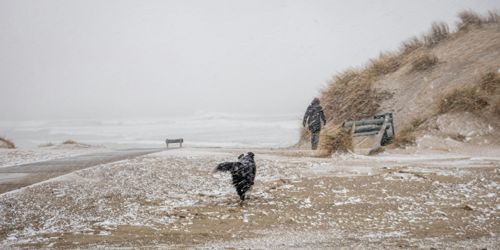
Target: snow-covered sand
point(172, 199)
point(18, 156)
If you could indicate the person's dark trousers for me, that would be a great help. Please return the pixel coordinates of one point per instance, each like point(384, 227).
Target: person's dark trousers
point(314, 140)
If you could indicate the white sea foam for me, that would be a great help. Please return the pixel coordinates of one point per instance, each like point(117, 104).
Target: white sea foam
point(208, 129)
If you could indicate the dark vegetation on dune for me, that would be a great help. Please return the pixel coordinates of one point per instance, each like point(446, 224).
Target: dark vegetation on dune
point(7, 143)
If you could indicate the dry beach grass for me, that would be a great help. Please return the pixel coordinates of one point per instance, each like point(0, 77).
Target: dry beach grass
point(6, 143)
point(425, 77)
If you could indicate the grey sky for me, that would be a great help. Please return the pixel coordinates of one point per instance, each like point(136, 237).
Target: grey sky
point(129, 59)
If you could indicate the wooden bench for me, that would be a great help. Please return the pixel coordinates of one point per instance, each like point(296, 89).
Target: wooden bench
point(180, 141)
point(370, 134)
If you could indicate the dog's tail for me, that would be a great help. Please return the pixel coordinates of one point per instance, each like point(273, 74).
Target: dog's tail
point(226, 166)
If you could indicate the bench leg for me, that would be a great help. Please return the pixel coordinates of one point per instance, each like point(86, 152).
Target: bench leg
point(167, 145)
point(181, 144)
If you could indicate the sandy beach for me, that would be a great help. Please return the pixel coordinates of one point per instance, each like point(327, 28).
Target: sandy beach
point(172, 199)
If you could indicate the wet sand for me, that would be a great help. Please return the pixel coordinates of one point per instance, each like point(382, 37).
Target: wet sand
point(15, 177)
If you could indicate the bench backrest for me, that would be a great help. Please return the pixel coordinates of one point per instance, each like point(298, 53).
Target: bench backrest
point(174, 140)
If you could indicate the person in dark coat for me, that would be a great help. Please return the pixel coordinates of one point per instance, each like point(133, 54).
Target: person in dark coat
point(313, 117)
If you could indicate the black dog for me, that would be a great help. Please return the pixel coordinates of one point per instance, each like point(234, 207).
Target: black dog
point(242, 171)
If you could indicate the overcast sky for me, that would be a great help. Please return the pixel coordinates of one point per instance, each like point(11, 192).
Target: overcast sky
point(131, 59)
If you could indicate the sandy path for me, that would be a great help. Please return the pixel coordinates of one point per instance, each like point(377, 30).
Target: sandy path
point(15, 177)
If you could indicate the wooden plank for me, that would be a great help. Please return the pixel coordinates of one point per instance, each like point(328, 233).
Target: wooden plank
point(180, 141)
point(174, 140)
point(367, 128)
point(366, 133)
point(378, 121)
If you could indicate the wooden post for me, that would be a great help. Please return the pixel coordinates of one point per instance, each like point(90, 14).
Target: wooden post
point(353, 128)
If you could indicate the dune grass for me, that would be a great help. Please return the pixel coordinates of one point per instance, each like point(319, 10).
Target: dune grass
point(439, 32)
point(69, 141)
point(334, 139)
point(8, 143)
point(490, 85)
point(406, 137)
point(350, 94)
point(386, 63)
point(469, 18)
point(490, 82)
point(475, 97)
point(496, 108)
point(463, 99)
point(410, 45)
point(423, 61)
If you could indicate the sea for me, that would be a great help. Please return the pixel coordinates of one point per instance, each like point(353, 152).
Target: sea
point(202, 130)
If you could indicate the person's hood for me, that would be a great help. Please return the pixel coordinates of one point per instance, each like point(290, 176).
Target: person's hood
point(315, 102)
